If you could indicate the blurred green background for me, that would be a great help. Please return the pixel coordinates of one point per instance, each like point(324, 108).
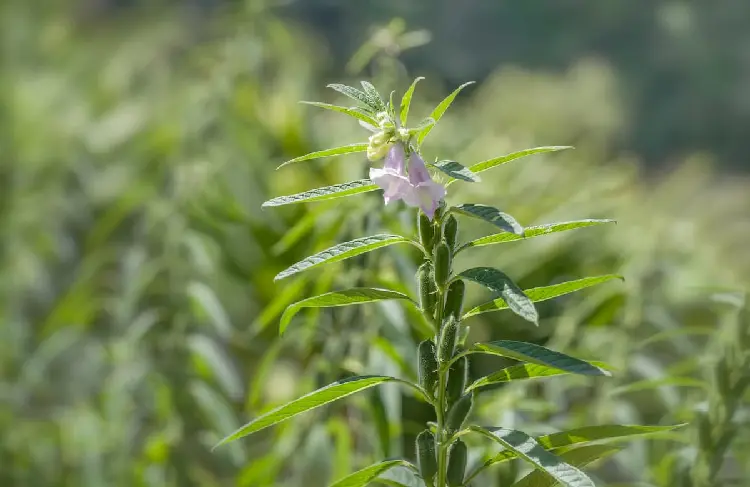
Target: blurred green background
point(138, 313)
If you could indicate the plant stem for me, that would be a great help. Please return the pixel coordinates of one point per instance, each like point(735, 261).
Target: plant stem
point(440, 438)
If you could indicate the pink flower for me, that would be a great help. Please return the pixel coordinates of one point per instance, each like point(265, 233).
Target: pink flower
point(416, 189)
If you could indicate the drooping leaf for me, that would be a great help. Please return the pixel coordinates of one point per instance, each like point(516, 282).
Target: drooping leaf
point(406, 101)
point(457, 171)
point(534, 231)
point(522, 372)
point(439, 110)
point(315, 399)
point(342, 251)
point(543, 293)
point(345, 297)
point(373, 95)
point(497, 281)
point(324, 193)
point(357, 113)
point(490, 215)
point(497, 161)
point(346, 149)
point(579, 457)
point(355, 94)
point(529, 450)
point(537, 354)
point(368, 474)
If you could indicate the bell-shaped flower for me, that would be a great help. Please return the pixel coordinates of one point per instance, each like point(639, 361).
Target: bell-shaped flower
point(425, 193)
point(392, 177)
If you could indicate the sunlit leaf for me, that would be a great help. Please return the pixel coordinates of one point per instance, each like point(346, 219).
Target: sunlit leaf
point(368, 474)
point(423, 125)
point(373, 95)
point(497, 161)
point(537, 354)
point(490, 215)
point(352, 112)
point(457, 171)
point(355, 94)
point(529, 450)
point(406, 101)
point(346, 297)
point(579, 457)
point(543, 293)
point(523, 372)
point(325, 193)
point(534, 231)
point(342, 251)
point(439, 110)
point(346, 149)
point(499, 282)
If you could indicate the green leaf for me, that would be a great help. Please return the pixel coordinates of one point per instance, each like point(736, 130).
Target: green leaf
point(543, 293)
point(535, 231)
point(497, 281)
point(367, 475)
point(497, 161)
point(346, 297)
point(324, 193)
point(346, 149)
point(373, 95)
point(522, 372)
point(342, 251)
point(315, 399)
point(352, 112)
point(457, 171)
point(423, 125)
point(490, 215)
point(355, 94)
point(579, 457)
point(528, 449)
point(439, 110)
point(537, 354)
point(406, 101)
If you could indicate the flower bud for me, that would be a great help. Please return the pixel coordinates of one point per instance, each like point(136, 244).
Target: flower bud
point(442, 264)
point(458, 375)
point(447, 339)
point(379, 146)
point(450, 231)
point(426, 457)
point(458, 413)
point(427, 290)
point(428, 366)
point(454, 300)
point(457, 455)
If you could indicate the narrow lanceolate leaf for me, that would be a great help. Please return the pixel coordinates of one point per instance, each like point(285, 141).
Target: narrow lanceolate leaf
point(457, 171)
point(535, 231)
point(497, 281)
point(347, 297)
point(586, 435)
point(406, 101)
point(579, 457)
point(324, 193)
point(537, 354)
point(368, 474)
point(497, 161)
point(522, 372)
point(490, 215)
point(357, 113)
point(373, 95)
point(423, 125)
point(543, 293)
point(528, 449)
point(346, 149)
point(439, 110)
point(355, 94)
point(325, 395)
point(342, 251)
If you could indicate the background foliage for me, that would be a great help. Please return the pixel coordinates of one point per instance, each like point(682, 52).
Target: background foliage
point(138, 319)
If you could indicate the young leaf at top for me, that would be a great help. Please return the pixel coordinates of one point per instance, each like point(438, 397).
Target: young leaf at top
point(355, 94)
point(534, 231)
point(325, 193)
point(406, 101)
point(345, 297)
point(439, 110)
point(537, 354)
point(543, 293)
point(313, 400)
point(528, 449)
point(497, 281)
point(490, 215)
point(366, 475)
point(457, 171)
point(522, 372)
point(357, 113)
point(346, 149)
point(373, 95)
point(578, 457)
point(342, 251)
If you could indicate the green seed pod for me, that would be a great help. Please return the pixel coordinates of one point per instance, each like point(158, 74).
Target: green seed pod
point(454, 299)
point(442, 264)
point(447, 339)
point(427, 291)
point(450, 231)
point(457, 455)
point(428, 366)
point(426, 457)
point(426, 232)
point(457, 377)
point(458, 413)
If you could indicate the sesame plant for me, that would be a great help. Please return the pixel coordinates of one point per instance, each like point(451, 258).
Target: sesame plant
point(443, 355)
